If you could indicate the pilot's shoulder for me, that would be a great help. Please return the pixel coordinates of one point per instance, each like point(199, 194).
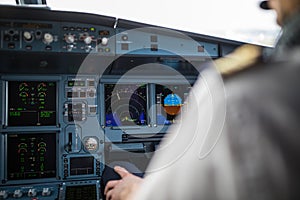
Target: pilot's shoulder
point(243, 57)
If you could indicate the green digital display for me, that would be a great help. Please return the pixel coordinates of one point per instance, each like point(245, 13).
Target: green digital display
point(31, 103)
point(32, 156)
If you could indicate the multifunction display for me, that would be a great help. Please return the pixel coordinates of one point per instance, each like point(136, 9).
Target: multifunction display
point(31, 103)
point(82, 165)
point(31, 156)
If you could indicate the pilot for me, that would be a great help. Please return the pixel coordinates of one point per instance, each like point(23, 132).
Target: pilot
point(257, 155)
point(288, 17)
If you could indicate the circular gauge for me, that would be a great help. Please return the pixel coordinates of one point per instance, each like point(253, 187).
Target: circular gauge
point(42, 150)
point(42, 87)
point(41, 94)
point(23, 87)
point(42, 144)
point(23, 94)
point(91, 144)
point(126, 105)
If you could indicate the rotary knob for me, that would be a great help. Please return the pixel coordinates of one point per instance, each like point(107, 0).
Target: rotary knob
point(48, 38)
point(69, 38)
point(88, 40)
point(104, 41)
point(27, 36)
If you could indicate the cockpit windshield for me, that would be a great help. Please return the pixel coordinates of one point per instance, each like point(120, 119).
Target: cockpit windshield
point(230, 19)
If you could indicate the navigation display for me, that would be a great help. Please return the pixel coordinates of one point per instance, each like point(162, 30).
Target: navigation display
point(125, 104)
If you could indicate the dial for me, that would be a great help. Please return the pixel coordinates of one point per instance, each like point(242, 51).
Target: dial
point(88, 40)
point(91, 144)
point(42, 87)
point(27, 36)
point(23, 87)
point(104, 41)
point(48, 38)
point(69, 38)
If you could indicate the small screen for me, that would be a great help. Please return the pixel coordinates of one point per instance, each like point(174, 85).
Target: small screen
point(125, 104)
point(170, 100)
point(81, 192)
point(31, 156)
point(31, 103)
point(81, 166)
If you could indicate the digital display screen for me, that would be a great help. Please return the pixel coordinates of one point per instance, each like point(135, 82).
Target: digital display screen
point(81, 165)
point(170, 100)
point(125, 104)
point(31, 156)
point(31, 103)
point(81, 192)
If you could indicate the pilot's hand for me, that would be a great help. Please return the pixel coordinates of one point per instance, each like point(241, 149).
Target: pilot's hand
point(124, 188)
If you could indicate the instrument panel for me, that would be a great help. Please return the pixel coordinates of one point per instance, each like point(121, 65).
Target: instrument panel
point(79, 91)
point(56, 129)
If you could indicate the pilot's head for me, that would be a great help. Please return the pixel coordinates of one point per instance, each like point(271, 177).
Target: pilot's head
point(283, 8)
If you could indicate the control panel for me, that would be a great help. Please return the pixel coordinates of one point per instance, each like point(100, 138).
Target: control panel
point(47, 192)
point(52, 36)
point(59, 129)
point(50, 136)
point(79, 91)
